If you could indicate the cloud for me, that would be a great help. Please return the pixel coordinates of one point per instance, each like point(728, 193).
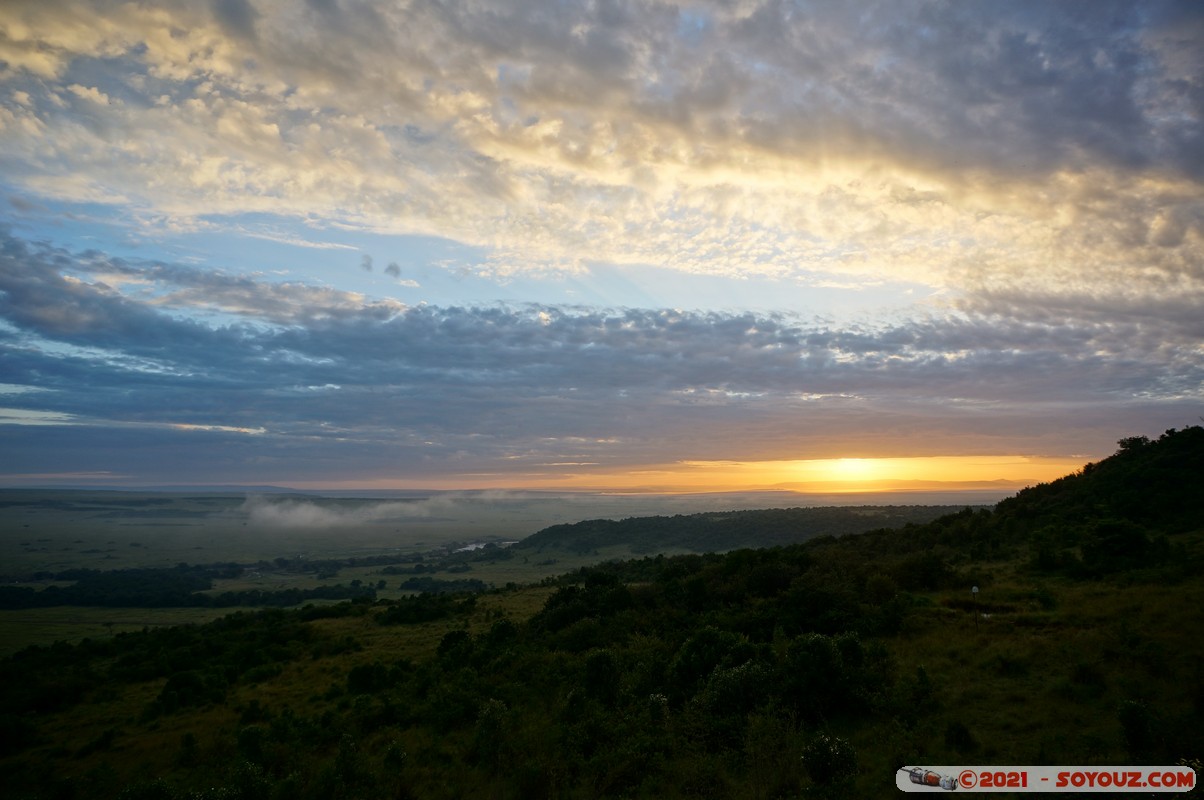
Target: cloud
point(21, 416)
point(296, 241)
point(102, 296)
point(333, 383)
point(932, 142)
point(1039, 164)
point(236, 17)
point(89, 93)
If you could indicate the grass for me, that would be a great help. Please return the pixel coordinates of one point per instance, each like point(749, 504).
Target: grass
point(45, 626)
point(1041, 683)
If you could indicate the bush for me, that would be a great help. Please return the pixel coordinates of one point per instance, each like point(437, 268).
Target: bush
point(602, 677)
point(959, 738)
point(16, 734)
point(192, 688)
point(698, 656)
point(1139, 729)
point(829, 759)
point(456, 645)
point(157, 789)
point(367, 678)
point(821, 674)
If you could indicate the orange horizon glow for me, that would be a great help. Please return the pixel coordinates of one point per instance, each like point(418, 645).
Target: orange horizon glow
point(823, 475)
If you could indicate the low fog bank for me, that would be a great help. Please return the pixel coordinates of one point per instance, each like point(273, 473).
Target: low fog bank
point(347, 509)
point(286, 512)
point(536, 510)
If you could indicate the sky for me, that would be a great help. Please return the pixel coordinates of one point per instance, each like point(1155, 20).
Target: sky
point(625, 246)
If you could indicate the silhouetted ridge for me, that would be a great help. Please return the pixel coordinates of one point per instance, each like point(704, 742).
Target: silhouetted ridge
point(721, 531)
point(1153, 483)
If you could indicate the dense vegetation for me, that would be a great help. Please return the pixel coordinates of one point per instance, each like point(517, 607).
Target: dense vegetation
point(730, 530)
point(815, 669)
point(180, 587)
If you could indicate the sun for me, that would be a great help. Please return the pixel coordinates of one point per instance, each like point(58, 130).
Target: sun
point(855, 469)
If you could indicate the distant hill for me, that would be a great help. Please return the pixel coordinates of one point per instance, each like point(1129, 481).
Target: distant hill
point(713, 532)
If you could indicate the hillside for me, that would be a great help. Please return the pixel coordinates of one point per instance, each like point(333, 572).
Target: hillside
point(809, 670)
point(1147, 482)
point(719, 532)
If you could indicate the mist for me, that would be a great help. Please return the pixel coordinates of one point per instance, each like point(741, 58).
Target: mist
point(271, 512)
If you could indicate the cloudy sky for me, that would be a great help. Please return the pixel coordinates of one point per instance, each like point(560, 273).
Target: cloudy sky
point(687, 244)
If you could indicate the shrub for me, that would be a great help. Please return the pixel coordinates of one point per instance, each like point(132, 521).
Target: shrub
point(959, 738)
point(829, 759)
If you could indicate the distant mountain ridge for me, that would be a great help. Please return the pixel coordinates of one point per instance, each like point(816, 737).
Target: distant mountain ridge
point(730, 530)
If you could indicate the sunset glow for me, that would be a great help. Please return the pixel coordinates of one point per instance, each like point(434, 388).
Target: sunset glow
point(1003, 474)
point(690, 245)
point(867, 474)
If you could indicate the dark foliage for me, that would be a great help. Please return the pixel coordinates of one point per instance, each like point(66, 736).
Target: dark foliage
point(441, 586)
point(1149, 483)
point(729, 530)
point(178, 587)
